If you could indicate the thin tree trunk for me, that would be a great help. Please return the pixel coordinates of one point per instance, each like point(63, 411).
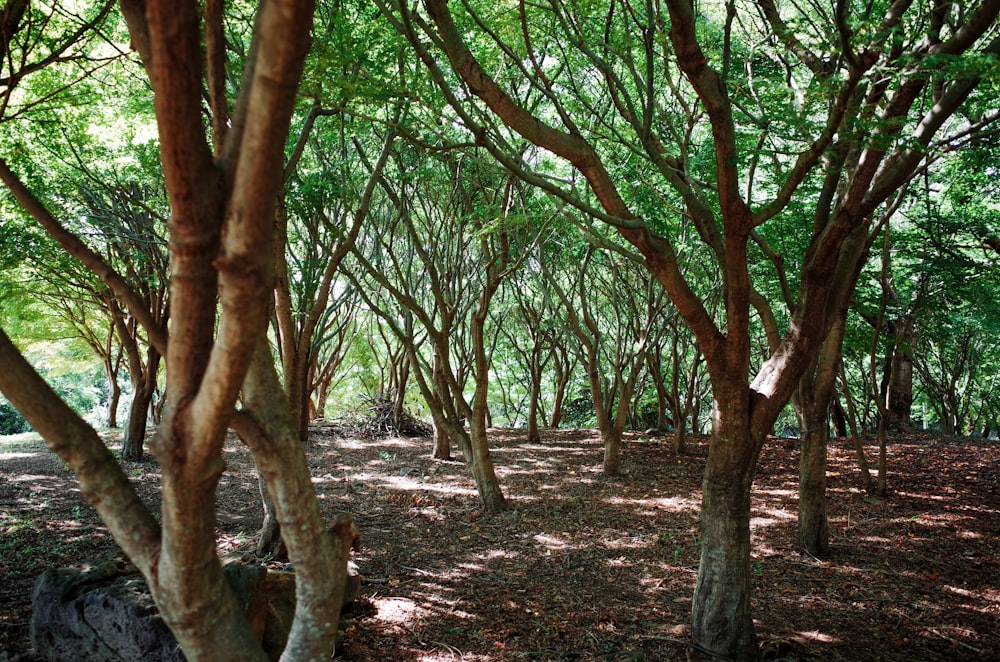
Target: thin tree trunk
point(534, 398)
point(882, 488)
point(866, 475)
point(115, 395)
point(562, 377)
point(482, 464)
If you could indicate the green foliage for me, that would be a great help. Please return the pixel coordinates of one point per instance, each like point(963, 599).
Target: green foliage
point(11, 421)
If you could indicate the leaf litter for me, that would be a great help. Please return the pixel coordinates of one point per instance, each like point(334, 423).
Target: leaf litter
point(582, 566)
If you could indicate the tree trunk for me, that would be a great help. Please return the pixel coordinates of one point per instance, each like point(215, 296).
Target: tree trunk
point(812, 406)
point(442, 444)
point(269, 542)
point(814, 534)
point(680, 436)
point(612, 453)
point(534, 436)
point(721, 617)
point(612, 440)
point(322, 389)
point(562, 377)
point(442, 439)
point(866, 475)
point(482, 464)
point(318, 553)
point(135, 429)
point(114, 397)
point(303, 409)
point(839, 419)
point(900, 398)
point(487, 483)
point(882, 487)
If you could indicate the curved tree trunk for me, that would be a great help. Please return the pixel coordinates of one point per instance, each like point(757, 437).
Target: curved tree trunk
point(318, 553)
point(487, 483)
point(867, 482)
point(482, 464)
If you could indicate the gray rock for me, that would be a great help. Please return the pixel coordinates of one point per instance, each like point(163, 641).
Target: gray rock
point(100, 613)
point(104, 612)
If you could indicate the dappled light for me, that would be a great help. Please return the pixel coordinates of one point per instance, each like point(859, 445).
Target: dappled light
point(582, 566)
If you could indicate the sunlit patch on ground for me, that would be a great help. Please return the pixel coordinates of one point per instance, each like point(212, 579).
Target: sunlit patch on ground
point(398, 610)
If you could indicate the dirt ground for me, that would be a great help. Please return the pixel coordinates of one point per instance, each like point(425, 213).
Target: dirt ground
point(583, 567)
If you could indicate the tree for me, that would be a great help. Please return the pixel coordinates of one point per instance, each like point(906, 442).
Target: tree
point(864, 94)
point(222, 190)
point(610, 305)
point(304, 312)
point(130, 228)
point(447, 245)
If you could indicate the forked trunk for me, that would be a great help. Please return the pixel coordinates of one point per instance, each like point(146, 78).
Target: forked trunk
point(190, 582)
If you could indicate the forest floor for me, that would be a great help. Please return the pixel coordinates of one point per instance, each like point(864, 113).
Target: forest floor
point(583, 567)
